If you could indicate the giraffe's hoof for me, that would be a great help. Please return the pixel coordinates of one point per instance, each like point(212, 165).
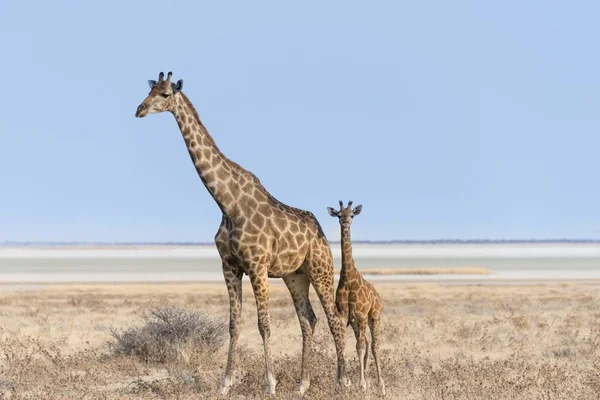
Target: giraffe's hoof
point(363, 386)
point(226, 384)
point(344, 381)
point(271, 383)
point(224, 390)
point(382, 388)
point(303, 387)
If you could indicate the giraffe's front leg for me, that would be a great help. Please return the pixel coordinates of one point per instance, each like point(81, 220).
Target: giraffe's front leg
point(361, 344)
point(233, 280)
point(260, 284)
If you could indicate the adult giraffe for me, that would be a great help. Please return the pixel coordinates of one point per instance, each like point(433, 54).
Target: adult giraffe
point(258, 236)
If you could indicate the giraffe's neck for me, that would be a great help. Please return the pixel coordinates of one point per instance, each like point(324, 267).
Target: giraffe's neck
point(222, 177)
point(348, 269)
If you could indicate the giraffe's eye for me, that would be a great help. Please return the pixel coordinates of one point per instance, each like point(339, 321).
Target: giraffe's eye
point(165, 95)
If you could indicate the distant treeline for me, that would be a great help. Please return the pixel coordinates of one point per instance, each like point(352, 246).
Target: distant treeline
point(373, 242)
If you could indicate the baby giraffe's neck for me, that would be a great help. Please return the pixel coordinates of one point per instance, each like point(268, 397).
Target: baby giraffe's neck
point(348, 267)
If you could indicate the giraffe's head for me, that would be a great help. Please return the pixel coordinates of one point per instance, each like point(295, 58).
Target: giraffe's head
point(161, 97)
point(345, 214)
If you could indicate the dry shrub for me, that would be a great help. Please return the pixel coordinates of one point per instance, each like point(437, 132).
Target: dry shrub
point(171, 333)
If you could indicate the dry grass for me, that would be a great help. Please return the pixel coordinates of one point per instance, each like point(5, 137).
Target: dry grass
point(439, 342)
point(426, 271)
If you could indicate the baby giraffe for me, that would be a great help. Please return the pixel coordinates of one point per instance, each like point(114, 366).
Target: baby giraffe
point(357, 300)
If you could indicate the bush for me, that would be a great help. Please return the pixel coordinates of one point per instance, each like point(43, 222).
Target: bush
point(171, 333)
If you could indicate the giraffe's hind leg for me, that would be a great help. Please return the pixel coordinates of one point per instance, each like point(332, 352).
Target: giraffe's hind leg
point(320, 273)
point(260, 285)
point(366, 359)
point(298, 285)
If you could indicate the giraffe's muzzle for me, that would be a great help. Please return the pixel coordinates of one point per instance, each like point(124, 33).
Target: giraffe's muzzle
point(141, 111)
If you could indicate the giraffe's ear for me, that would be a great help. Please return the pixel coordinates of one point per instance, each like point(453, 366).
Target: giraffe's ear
point(357, 210)
point(152, 83)
point(176, 87)
point(332, 212)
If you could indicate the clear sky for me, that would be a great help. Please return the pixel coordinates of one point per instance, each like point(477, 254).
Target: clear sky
point(461, 119)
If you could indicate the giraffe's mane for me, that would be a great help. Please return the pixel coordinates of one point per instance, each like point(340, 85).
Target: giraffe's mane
point(191, 107)
point(232, 163)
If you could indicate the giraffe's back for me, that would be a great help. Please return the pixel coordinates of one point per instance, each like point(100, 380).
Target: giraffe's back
point(275, 234)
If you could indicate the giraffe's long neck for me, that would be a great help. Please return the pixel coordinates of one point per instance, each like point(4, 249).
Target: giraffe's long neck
point(348, 268)
point(222, 177)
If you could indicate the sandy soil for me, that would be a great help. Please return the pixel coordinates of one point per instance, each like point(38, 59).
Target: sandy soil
point(440, 341)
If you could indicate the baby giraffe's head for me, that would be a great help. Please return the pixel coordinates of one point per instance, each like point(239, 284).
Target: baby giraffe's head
point(345, 214)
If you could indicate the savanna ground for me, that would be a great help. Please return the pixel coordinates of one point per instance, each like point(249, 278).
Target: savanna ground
point(440, 341)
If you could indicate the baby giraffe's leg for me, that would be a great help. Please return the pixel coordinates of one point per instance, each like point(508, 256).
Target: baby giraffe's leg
point(361, 349)
point(375, 326)
point(355, 328)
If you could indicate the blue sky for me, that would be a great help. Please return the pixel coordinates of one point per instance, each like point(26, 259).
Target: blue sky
point(462, 119)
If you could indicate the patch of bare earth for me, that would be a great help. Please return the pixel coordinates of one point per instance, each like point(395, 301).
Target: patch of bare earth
point(439, 341)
